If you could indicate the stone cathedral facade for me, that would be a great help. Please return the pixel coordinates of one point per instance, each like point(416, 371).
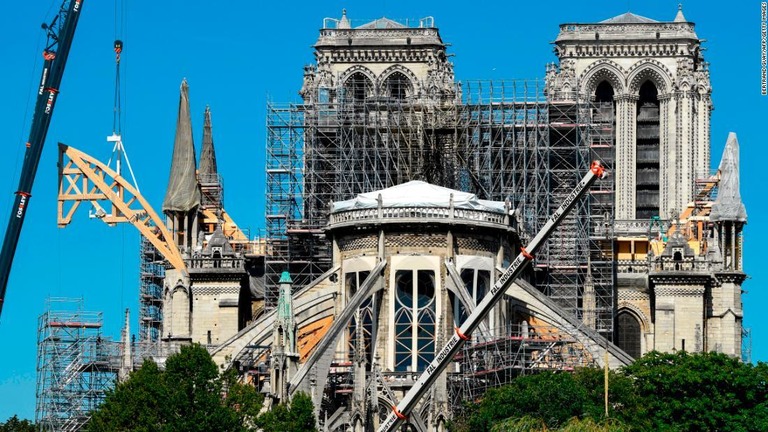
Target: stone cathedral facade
point(415, 236)
point(655, 74)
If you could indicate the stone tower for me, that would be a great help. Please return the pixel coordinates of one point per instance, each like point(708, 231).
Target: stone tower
point(382, 58)
point(655, 75)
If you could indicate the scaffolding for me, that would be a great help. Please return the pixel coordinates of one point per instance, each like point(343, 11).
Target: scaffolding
point(490, 362)
point(151, 274)
point(76, 366)
point(503, 141)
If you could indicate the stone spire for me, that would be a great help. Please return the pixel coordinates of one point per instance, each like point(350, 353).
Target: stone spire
point(728, 204)
point(182, 194)
point(208, 167)
point(680, 17)
point(208, 174)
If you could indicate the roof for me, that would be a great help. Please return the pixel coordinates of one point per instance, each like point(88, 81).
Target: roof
point(419, 194)
point(382, 23)
point(628, 18)
point(182, 193)
point(285, 277)
point(218, 240)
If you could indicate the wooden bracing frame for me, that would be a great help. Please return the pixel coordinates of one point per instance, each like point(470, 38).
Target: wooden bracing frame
point(83, 178)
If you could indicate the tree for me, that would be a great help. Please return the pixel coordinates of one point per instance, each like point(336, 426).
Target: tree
point(138, 404)
point(194, 393)
point(187, 396)
point(244, 399)
point(297, 416)
point(623, 401)
point(13, 424)
point(709, 391)
point(552, 397)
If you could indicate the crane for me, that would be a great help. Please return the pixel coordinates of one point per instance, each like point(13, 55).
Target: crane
point(60, 33)
point(443, 357)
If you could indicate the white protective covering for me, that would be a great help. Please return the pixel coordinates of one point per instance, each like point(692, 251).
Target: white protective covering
point(418, 194)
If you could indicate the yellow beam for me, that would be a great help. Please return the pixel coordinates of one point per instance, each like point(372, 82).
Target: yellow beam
point(98, 182)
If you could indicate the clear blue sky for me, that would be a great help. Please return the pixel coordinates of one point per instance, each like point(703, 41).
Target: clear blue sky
point(237, 55)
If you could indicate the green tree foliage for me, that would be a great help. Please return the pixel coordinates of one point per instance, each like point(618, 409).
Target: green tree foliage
point(13, 424)
point(552, 397)
point(187, 396)
point(294, 417)
point(138, 404)
point(623, 400)
point(243, 399)
point(701, 392)
point(659, 392)
point(530, 424)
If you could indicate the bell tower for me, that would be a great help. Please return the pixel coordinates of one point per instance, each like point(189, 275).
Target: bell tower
point(656, 77)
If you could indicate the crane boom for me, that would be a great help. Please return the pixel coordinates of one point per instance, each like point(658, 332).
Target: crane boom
point(60, 33)
point(445, 355)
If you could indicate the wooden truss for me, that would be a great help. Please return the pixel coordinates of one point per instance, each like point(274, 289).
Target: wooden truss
point(83, 178)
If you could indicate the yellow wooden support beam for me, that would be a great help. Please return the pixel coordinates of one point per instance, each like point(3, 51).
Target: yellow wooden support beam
point(84, 178)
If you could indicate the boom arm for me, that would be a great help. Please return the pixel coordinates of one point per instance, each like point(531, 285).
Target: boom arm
point(445, 355)
point(60, 34)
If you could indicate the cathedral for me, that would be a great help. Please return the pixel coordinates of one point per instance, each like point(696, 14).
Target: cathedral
point(397, 195)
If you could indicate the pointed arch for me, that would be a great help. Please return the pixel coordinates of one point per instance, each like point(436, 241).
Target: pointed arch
point(632, 325)
point(649, 69)
point(357, 69)
point(358, 83)
point(411, 83)
point(603, 70)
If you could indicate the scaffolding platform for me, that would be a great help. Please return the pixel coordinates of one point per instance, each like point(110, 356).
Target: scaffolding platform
point(76, 366)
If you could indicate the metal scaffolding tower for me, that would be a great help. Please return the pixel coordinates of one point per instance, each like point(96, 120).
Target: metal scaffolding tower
point(75, 365)
point(151, 274)
point(502, 140)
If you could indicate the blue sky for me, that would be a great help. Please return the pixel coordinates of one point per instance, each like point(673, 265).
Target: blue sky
point(237, 55)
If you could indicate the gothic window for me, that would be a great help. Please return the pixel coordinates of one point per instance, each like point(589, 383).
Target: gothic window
point(397, 86)
point(357, 88)
point(477, 283)
point(629, 334)
point(414, 319)
point(647, 139)
point(363, 317)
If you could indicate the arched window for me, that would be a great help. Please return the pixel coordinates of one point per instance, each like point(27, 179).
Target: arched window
point(365, 316)
point(629, 334)
point(357, 88)
point(477, 283)
point(414, 319)
point(397, 86)
point(647, 139)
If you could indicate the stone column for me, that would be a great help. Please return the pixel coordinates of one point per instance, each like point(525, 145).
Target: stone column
point(685, 145)
point(667, 172)
point(626, 108)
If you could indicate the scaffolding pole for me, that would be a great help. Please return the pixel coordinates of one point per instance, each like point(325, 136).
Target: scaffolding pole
point(76, 366)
